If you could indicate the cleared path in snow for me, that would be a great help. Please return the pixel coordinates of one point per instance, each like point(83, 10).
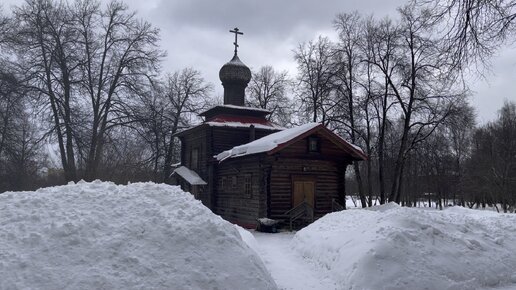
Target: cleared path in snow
point(287, 267)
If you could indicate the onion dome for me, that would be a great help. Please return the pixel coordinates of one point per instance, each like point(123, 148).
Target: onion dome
point(235, 71)
point(235, 76)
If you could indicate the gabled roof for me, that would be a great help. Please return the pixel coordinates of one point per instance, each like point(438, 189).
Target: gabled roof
point(189, 175)
point(277, 141)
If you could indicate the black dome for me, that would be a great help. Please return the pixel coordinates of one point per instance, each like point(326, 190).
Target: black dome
point(235, 71)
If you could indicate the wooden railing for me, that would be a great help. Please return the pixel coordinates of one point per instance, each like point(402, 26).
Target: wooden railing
point(336, 206)
point(303, 210)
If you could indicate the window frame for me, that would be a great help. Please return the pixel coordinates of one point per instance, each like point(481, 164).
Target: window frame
point(194, 165)
point(248, 185)
point(315, 139)
point(234, 182)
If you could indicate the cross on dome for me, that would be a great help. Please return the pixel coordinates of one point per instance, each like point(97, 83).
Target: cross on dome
point(236, 32)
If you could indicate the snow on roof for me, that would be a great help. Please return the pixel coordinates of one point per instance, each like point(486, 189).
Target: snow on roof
point(235, 61)
point(236, 108)
point(189, 175)
point(244, 108)
point(234, 124)
point(266, 143)
point(246, 125)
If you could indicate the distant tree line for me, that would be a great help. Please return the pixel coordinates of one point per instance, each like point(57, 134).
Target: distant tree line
point(83, 96)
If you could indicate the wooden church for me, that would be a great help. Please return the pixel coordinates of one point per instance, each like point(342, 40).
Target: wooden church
point(243, 167)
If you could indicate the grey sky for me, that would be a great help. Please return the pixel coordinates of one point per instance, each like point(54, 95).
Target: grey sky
point(195, 34)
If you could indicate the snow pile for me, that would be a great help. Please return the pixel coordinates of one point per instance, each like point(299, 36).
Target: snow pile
point(390, 247)
point(248, 238)
point(103, 236)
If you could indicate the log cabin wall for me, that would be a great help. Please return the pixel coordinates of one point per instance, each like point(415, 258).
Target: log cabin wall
point(328, 177)
point(240, 190)
point(208, 141)
point(327, 167)
point(198, 140)
point(221, 139)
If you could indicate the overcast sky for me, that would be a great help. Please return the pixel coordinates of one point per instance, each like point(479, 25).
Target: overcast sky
point(195, 33)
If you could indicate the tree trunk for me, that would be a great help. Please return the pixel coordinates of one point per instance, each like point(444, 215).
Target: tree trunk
point(358, 178)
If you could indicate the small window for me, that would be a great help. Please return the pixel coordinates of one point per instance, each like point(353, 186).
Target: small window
point(234, 182)
point(248, 186)
point(313, 144)
point(223, 183)
point(194, 158)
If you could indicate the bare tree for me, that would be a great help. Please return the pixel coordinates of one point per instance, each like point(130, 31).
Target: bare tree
point(381, 44)
point(268, 90)
point(10, 107)
point(19, 137)
point(23, 153)
point(45, 42)
point(459, 131)
point(86, 62)
point(491, 169)
point(120, 56)
point(473, 30)
point(347, 61)
point(172, 107)
point(5, 27)
point(315, 76)
point(423, 88)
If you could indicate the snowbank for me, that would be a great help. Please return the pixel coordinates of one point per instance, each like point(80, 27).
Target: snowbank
point(103, 236)
point(390, 247)
point(248, 238)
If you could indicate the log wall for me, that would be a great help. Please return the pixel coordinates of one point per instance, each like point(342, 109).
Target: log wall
point(327, 167)
point(328, 176)
point(233, 202)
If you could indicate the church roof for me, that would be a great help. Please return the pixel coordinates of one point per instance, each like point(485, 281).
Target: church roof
point(236, 122)
point(275, 142)
point(234, 110)
point(235, 117)
point(241, 121)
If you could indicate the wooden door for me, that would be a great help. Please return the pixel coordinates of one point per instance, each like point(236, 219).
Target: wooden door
point(303, 191)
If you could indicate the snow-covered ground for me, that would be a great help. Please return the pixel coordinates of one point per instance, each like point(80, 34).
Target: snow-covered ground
point(390, 247)
point(289, 268)
point(147, 236)
point(103, 236)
